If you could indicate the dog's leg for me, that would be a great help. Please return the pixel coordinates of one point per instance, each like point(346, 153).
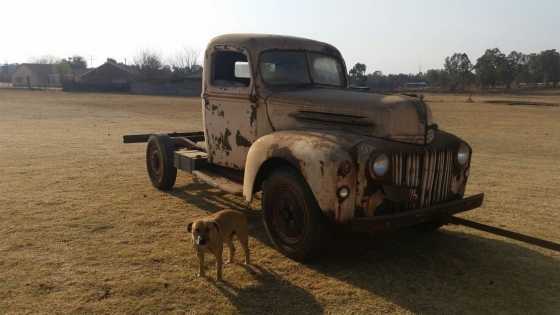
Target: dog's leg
point(200, 255)
point(244, 241)
point(231, 251)
point(219, 264)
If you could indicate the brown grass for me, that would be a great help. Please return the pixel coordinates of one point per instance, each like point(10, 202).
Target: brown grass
point(83, 231)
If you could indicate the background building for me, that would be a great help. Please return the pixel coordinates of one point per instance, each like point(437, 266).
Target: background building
point(36, 75)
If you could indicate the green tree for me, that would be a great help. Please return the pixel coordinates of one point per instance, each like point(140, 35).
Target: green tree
point(535, 68)
point(358, 74)
point(437, 77)
point(550, 60)
point(520, 62)
point(489, 67)
point(509, 67)
point(76, 62)
point(459, 68)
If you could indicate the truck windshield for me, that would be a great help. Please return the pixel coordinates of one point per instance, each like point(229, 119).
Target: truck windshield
point(292, 68)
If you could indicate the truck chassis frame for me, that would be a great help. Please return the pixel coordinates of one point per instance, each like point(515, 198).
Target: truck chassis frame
point(190, 157)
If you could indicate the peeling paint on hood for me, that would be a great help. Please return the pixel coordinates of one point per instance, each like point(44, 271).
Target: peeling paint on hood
point(393, 117)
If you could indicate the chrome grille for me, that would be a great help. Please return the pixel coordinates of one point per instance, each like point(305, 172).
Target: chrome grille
point(427, 174)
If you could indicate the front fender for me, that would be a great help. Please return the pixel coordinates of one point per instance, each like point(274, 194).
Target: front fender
point(318, 156)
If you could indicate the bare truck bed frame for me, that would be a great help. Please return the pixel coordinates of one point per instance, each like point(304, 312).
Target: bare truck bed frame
point(190, 157)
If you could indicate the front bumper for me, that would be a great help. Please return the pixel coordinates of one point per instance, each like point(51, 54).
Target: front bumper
point(413, 217)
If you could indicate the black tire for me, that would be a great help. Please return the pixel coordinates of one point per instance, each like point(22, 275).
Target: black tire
point(293, 220)
point(159, 162)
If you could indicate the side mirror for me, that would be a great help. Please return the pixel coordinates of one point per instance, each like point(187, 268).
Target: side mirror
point(242, 70)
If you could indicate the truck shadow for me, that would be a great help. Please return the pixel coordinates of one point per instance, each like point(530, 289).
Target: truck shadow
point(448, 271)
point(208, 198)
point(211, 200)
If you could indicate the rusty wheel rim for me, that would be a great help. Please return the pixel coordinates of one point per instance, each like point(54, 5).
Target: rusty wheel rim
point(288, 218)
point(156, 163)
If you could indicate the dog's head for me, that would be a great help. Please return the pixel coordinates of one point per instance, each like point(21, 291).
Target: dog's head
point(202, 231)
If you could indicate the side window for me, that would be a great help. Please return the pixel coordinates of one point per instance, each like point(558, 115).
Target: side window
point(223, 72)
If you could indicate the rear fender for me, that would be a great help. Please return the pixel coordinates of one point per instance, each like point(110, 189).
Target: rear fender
point(319, 160)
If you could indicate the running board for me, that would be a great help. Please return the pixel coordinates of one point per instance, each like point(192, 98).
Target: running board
point(189, 160)
point(218, 181)
point(196, 163)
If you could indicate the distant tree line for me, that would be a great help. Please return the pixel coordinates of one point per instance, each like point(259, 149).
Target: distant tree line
point(152, 67)
point(492, 69)
point(64, 66)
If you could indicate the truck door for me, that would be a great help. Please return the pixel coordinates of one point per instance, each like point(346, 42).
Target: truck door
point(229, 113)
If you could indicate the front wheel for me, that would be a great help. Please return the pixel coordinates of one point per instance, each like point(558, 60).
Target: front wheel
point(292, 218)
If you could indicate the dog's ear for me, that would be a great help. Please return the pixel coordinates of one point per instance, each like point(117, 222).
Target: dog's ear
point(189, 227)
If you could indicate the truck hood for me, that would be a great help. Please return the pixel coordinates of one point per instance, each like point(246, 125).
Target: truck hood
point(394, 117)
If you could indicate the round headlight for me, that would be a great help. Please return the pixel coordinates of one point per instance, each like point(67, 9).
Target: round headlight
point(463, 154)
point(343, 192)
point(380, 165)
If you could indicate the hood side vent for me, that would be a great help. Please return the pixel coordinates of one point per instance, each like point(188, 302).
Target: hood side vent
point(332, 118)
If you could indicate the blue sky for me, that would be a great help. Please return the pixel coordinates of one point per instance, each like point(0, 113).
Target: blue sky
point(391, 36)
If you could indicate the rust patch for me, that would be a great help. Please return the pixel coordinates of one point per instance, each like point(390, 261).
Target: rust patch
point(241, 141)
point(222, 142)
point(253, 114)
point(344, 169)
point(225, 141)
point(214, 108)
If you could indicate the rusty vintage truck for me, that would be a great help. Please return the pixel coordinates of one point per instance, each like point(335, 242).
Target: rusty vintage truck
point(280, 118)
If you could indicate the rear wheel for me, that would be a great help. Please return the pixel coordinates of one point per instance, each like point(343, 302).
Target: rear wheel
point(159, 162)
point(292, 218)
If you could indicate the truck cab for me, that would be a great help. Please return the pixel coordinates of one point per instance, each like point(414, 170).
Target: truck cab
point(279, 118)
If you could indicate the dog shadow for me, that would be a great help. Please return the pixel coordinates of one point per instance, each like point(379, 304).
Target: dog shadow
point(271, 295)
point(447, 271)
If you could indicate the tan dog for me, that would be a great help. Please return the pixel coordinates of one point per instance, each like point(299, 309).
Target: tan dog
point(210, 234)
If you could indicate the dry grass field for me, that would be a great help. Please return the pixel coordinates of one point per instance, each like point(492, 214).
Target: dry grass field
point(83, 231)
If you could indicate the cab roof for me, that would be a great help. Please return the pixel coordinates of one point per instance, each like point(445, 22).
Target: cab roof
point(256, 43)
